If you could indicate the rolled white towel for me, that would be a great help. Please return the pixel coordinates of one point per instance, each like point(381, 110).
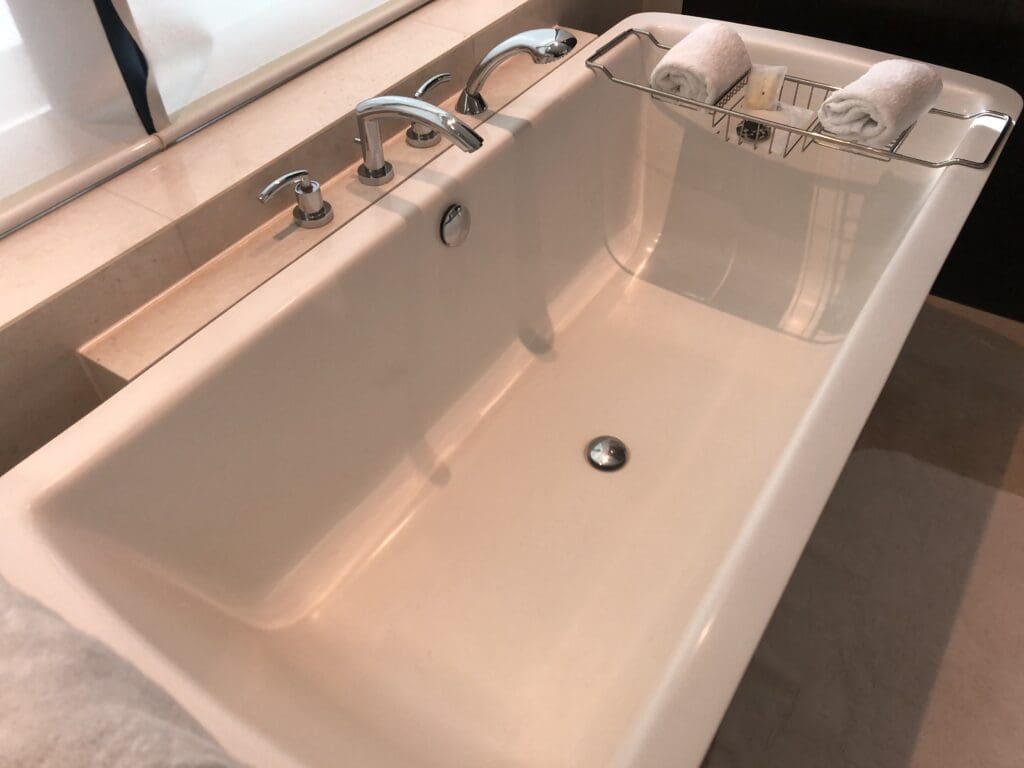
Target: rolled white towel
point(886, 100)
point(703, 64)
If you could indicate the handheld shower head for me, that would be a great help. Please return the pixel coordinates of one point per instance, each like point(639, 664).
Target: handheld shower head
point(542, 45)
point(548, 48)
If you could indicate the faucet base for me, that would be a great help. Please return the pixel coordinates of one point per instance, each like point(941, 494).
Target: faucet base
point(471, 104)
point(376, 178)
point(422, 140)
point(313, 220)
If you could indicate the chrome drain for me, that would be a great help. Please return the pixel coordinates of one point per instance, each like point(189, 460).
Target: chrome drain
point(607, 453)
point(751, 130)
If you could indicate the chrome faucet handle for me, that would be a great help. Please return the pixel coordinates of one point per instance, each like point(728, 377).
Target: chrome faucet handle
point(420, 135)
point(310, 209)
point(432, 82)
point(299, 177)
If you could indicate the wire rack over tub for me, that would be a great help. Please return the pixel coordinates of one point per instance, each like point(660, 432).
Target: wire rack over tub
point(760, 130)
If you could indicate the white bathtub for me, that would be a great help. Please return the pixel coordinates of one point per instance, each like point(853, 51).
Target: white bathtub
point(351, 522)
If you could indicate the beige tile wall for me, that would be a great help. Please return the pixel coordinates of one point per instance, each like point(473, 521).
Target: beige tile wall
point(67, 277)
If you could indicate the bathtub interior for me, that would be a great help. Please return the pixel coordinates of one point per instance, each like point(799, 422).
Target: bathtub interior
point(244, 506)
point(283, 464)
point(795, 243)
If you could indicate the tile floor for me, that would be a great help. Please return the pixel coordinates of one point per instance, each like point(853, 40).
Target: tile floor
point(899, 641)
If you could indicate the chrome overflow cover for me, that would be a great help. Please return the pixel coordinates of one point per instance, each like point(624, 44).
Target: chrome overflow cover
point(607, 453)
point(455, 225)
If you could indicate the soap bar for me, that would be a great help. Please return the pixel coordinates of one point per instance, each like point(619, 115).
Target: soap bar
point(787, 114)
point(764, 87)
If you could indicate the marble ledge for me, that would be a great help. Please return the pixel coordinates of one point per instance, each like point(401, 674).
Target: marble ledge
point(53, 254)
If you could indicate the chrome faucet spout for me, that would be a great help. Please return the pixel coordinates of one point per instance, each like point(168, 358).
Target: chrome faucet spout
point(376, 170)
point(541, 45)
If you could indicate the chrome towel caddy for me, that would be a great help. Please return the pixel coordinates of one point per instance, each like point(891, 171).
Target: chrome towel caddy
point(800, 92)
